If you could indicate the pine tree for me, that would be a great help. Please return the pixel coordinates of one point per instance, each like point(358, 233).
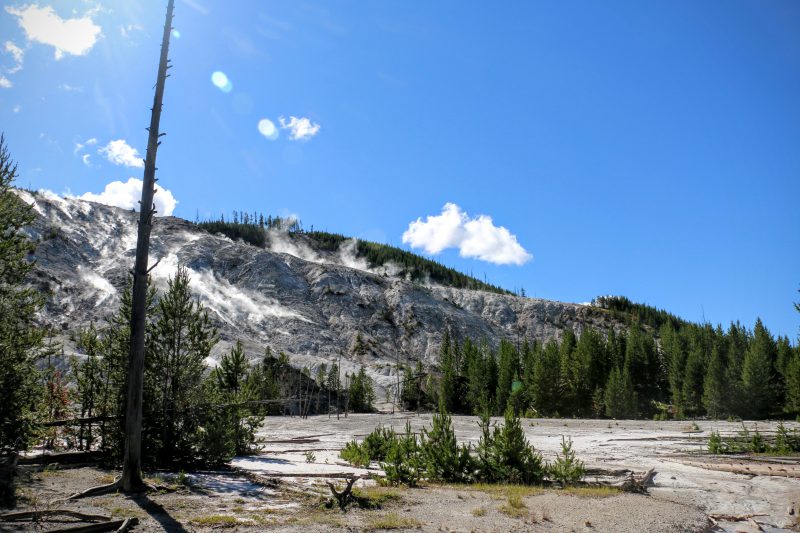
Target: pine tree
point(506, 371)
point(361, 393)
point(182, 340)
point(757, 372)
point(714, 386)
point(20, 338)
point(620, 398)
point(546, 387)
point(448, 392)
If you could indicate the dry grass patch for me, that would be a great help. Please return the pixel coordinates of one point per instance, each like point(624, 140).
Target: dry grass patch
point(216, 520)
point(500, 491)
point(392, 521)
point(600, 491)
point(514, 507)
point(378, 495)
point(479, 511)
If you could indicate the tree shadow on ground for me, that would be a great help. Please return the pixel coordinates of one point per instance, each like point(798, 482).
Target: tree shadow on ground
point(159, 514)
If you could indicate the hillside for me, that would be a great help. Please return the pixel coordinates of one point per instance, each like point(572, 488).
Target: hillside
point(314, 302)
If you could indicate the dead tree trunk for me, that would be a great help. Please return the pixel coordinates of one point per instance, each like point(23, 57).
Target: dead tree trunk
point(132, 466)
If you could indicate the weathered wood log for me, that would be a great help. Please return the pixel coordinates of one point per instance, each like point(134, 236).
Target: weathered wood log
point(79, 421)
point(128, 524)
point(735, 517)
point(114, 525)
point(343, 497)
point(65, 458)
point(639, 484)
point(38, 515)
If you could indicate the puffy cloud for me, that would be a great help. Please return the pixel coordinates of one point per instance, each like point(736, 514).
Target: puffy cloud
point(5, 83)
point(476, 237)
point(120, 152)
point(300, 129)
point(128, 194)
point(85, 159)
point(74, 36)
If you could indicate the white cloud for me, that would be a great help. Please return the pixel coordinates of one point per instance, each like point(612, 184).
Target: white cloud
point(128, 194)
point(126, 31)
point(476, 237)
point(120, 152)
point(70, 88)
point(17, 53)
point(91, 141)
point(5, 83)
point(74, 36)
point(85, 159)
point(17, 108)
point(300, 129)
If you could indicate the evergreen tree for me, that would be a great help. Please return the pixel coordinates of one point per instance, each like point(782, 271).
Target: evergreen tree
point(620, 398)
point(20, 338)
point(448, 391)
point(757, 372)
point(546, 387)
point(182, 340)
point(714, 386)
point(506, 371)
point(235, 387)
point(362, 394)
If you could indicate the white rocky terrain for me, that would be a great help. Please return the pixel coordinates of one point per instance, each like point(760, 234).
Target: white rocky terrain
point(310, 304)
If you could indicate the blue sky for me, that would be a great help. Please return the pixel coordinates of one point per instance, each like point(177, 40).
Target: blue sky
point(650, 149)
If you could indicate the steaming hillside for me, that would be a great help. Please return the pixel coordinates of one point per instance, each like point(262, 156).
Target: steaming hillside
point(313, 302)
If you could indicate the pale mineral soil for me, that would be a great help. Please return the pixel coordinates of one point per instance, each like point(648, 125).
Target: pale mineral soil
point(690, 484)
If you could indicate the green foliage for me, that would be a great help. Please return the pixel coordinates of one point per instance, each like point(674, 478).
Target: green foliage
point(757, 372)
point(20, 337)
point(504, 454)
point(784, 442)
point(411, 265)
point(644, 314)
point(232, 379)
point(443, 458)
point(355, 454)
point(379, 442)
point(715, 443)
point(374, 447)
point(403, 465)
point(566, 469)
point(181, 340)
point(362, 393)
point(620, 399)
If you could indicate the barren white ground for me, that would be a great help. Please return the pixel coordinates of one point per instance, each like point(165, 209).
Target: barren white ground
point(675, 449)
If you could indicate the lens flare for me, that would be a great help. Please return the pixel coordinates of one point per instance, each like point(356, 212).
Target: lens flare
point(176, 34)
point(267, 128)
point(221, 81)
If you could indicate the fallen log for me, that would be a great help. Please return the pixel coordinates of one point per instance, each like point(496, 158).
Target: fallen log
point(65, 458)
point(35, 516)
point(735, 517)
point(114, 525)
point(79, 421)
point(639, 484)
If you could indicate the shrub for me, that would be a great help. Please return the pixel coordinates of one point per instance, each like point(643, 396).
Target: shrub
point(403, 465)
point(567, 469)
point(443, 458)
point(715, 444)
point(504, 454)
point(355, 454)
point(379, 442)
